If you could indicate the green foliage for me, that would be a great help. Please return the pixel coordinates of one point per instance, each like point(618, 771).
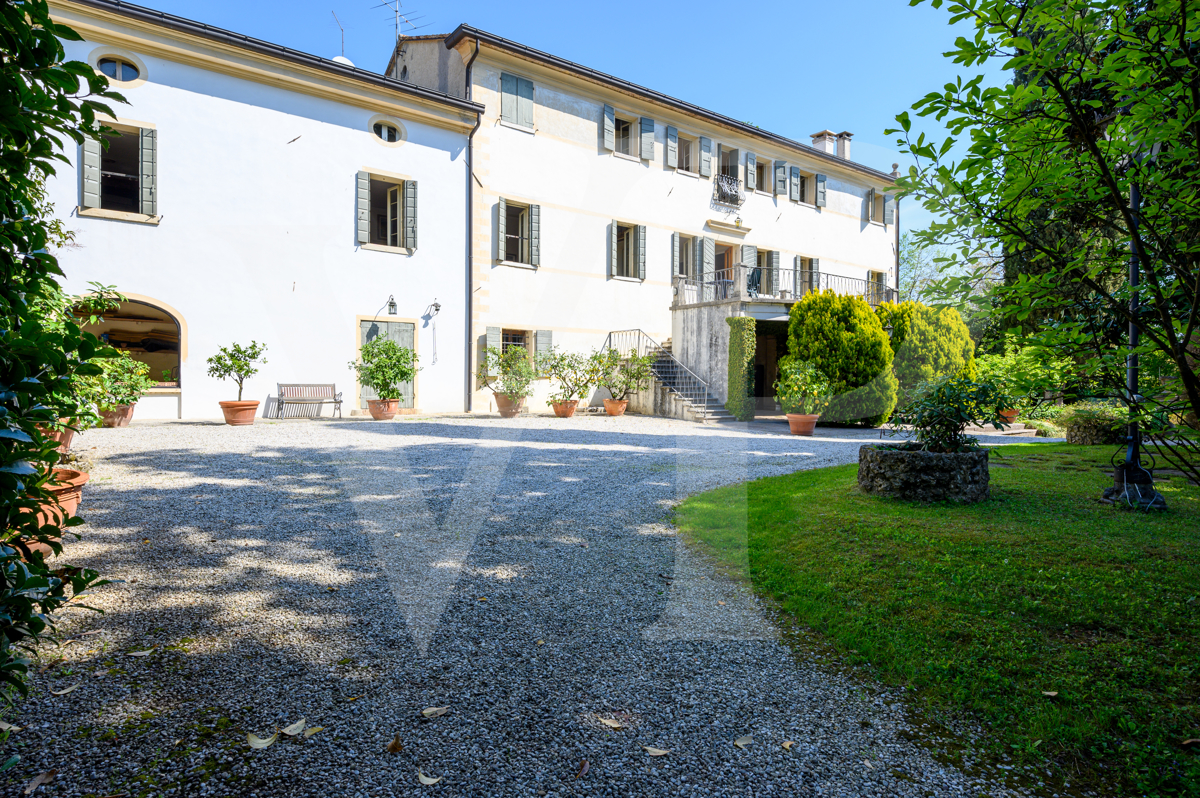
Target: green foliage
point(1029, 372)
point(236, 362)
point(123, 381)
point(383, 366)
point(801, 387)
point(570, 371)
point(980, 608)
point(1094, 423)
point(509, 373)
point(843, 338)
point(620, 374)
point(942, 409)
point(927, 342)
point(742, 343)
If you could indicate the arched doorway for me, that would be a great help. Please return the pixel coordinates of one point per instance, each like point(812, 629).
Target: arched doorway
point(150, 334)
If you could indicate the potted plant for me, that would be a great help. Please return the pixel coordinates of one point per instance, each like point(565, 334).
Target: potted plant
point(803, 392)
point(621, 375)
point(237, 363)
point(117, 388)
point(383, 366)
point(570, 370)
point(510, 374)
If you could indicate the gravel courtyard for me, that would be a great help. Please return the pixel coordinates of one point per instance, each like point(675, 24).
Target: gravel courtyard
point(518, 573)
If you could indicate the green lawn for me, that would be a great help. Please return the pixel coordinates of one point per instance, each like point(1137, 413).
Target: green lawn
point(986, 608)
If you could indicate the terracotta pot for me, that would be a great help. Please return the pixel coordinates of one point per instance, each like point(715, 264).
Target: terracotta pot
point(615, 407)
point(802, 423)
point(63, 436)
point(1009, 416)
point(507, 407)
point(564, 409)
point(66, 486)
point(239, 414)
point(118, 416)
point(383, 409)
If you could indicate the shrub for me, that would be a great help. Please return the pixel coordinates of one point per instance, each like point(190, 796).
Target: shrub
point(1029, 372)
point(509, 373)
point(383, 366)
point(927, 343)
point(801, 387)
point(1094, 424)
point(620, 374)
point(123, 382)
point(842, 337)
point(941, 410)
point(568, 369)
point(742, 343)
point(237, 363)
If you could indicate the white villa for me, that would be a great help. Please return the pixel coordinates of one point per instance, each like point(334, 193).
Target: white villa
point(497, 195)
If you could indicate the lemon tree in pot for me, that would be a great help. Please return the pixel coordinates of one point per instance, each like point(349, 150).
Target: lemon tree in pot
point(570, 371)
point(383, 366)
point(803, 392)
point(236, 363)
point(117, 388)
point(621, 375)
point(509, 374)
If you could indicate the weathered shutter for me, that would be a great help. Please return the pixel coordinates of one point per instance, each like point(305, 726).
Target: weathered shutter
point(493, 341)
point(705, 157)
point(672, 148)
point(815, 265)
point(641, 251)
point(773, 267)
point(797, 286)
point(148, 175)
point(708, 269)
point(751, 171)
point(794, 185)
point(749, 255)
point(508, 98)
point(889, 209)
point(410, 214)
point(870, 204)
point(610, 128)
point(524, 102)
point(535, 235)
point(647, 144)
point(612, 249)
point(89, 174)
point(820, 198)
point(543, 342)
point(394, 230)
point(674, 254)
point(697, 259)
point(363, 207)
point(781, 180)
point(501, 228)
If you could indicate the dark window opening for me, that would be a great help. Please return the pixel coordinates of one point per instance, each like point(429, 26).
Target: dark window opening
point(387, 132)
point(386, 211)
point(685, 255)
point(624, 136)
point(626, 257)
point(118, 69)
point(685, 155)
point(119, 173)
point(516, 233)
point(513, 338)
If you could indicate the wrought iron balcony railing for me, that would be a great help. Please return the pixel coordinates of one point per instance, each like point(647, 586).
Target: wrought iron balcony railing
point(727, 190)
point(750, 283)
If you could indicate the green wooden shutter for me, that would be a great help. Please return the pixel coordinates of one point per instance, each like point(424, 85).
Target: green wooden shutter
point(89, 174)
point(705, 157)
point(773, 266)
point(889, 209)
point(815, 265)
point(524, 102)
point(797, 266)
point(697, 258)
point(749, 255)
point(708, 269)
point(820, 198)
point(148, 175)
point(492, 340)
point(395, 236)
point(363, 207)
point(751, 171)
point(674, 255)
point(794, 185)
point(612, 249)
point(870, 204)
point(543, 342)
point(508, 98)
point(535, 235)
point(672, 148)
point(647, 144)
point(410, 214)
point(610, 128)
point(641, 251)
point(781, 180)
point(501, 228)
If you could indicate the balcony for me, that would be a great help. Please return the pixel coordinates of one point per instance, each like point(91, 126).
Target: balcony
point(754, 284)
point(727, 190)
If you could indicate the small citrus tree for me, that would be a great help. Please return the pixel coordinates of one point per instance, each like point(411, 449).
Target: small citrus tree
point(568, 369)
point(801, 387)
point(621, 374)
point(236, 362)
point(383, 366)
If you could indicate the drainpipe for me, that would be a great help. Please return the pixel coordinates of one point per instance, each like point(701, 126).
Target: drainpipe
point(469, 384)
point(899, 298)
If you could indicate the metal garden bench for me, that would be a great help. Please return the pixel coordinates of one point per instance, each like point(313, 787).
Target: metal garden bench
point(307, 394)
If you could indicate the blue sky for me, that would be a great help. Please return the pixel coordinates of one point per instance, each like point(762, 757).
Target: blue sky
point(792, 68)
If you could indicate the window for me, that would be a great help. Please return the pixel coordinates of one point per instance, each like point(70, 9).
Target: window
point(118, 69)
point(510, 339)
point(729, 162)
point(687, 248)
point(626, 257)
point(518, 228)
point(623, 129)
point(762, 174)
point(387, 132)
point(120, 173)
point(516, 100)
point(686, 150)
point(387, 211)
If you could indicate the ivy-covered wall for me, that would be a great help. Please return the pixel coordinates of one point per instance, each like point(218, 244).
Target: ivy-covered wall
point(741, 367)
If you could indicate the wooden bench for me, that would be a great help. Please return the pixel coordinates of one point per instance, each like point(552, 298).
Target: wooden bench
point(307, 394)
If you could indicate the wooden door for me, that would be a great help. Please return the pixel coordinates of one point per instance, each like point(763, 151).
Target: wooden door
point(403, 333)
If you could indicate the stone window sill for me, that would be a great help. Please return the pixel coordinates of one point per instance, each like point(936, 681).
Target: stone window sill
point(120, 216)
point(627, 279)
point(625, 157)
point(518, 265)
point(686, 173)
point(385, 248)
point(531, 131)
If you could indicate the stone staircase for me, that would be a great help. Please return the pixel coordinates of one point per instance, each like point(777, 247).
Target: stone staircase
point(667, 378)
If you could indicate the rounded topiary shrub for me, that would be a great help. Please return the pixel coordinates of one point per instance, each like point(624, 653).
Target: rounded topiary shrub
point(927, 343)
point(843, 338)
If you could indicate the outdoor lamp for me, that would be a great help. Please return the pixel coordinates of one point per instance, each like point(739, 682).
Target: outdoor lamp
point(391, 305)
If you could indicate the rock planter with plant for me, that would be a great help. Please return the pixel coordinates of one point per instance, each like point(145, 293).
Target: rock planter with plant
point(383, 366)
point(942, 463)
point(509, 374)
point(803, 392)
point(236, 363)
point(121, 383)
point(570, 370)
point(621, 375)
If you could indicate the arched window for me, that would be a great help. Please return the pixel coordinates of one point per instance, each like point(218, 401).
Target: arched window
point(118, 69)
point(149, 334)
point(387, 132)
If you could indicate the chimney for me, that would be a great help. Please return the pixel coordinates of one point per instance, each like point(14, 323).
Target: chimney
point(825, 141)
point(843, 144)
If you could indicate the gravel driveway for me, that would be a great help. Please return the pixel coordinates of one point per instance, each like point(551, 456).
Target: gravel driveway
point(354, 573)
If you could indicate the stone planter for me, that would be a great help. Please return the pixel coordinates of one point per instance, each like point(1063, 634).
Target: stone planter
point(615, 407)
point(118, 416)
point(564, 409)
point(383, 409)
point(239, 414)
point(802, 423)
point(960, 477)
point(507, 407)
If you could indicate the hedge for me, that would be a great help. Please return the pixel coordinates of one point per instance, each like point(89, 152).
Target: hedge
point(741, 367)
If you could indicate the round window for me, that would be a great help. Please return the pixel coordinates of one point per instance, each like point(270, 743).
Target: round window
point(387, 132)
point(118, 69)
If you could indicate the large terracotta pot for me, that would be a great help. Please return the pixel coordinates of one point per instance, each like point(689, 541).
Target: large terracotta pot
point(802, 423)
point(507, 407)
point(383, 409)
point(118, 416)
point(66, 486)
point(63, 436)
point(615, 407)
point(564, 409)
point(1009, 416)
point(239, 414)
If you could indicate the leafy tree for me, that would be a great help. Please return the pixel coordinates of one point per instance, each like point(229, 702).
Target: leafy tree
point(1043, 170)
point(621, 374)
point(568, 369)
point(510, 373)
point(383, 366)
point(236, 363)
point(927, 342)
point(919, 269)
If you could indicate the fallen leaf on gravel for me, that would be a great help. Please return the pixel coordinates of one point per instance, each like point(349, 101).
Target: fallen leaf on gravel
point(742, 742)
point(541, 642)
point(868, 764)
point(259, 742)
point(93, 632)
point(9, 727)
point(427, 780)
point(395, 746)
point(100, 674)
point(482, 599)
point(652, 751)
point(722, 603)
point(294, 729)
point(1050, 693)
point(145, 653)
point(64, 692)
point(583, 769)
point(39, 780)
point(310, 732)
point(787, 746)
point(612, 724)
point(147, 540)
point(354, 698)
point(116, 795)
point(435, 712)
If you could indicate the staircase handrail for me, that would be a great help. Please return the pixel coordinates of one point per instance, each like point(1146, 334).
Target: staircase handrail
point(658, 349)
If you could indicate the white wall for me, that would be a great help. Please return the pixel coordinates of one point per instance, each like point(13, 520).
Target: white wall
point(257, 236)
